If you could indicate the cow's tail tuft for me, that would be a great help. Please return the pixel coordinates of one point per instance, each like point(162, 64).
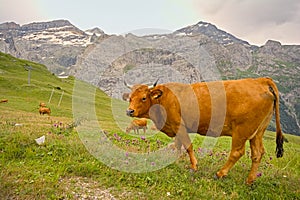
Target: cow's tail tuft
point(279, 136)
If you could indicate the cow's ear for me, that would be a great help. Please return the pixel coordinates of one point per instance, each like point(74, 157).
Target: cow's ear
point(125, 96)
point(156, 93)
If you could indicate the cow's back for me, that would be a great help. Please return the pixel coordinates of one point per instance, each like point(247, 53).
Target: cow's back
point(225, 104)
point(215, 107)
point(140, 122)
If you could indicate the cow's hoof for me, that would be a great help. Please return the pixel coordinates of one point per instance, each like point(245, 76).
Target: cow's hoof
point(220, 175)
point(249, 182)
point(250, 179)
point(192, 171)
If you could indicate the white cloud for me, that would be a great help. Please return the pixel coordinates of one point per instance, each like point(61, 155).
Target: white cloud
point(254, 20)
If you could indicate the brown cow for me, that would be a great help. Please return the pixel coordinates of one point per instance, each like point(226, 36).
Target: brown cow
point(4, 101)
point(241, 109)
point(137, 124)
point(44, 110)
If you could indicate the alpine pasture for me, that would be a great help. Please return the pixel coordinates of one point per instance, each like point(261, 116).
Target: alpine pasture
point(62, 168)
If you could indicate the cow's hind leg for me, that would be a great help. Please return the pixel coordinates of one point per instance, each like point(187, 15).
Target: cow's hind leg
point(237, 151)
point(257, 151)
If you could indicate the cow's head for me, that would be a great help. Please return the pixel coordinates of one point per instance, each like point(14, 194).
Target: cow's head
point(141, 99)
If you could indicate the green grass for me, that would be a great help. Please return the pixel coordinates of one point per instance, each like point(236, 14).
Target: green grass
point(63, 168)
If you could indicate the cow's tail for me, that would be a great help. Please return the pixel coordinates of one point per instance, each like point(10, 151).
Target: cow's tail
point(279, 136)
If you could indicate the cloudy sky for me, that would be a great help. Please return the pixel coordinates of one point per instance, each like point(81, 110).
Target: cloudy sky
point(255, 21)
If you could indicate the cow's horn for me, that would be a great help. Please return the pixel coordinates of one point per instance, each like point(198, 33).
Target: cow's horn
point(154, 84)
point(127, 85)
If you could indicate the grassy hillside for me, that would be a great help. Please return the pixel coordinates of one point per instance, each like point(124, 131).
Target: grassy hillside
point(63, 168)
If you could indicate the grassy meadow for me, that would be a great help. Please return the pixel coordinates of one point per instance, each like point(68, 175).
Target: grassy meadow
point(63, 167)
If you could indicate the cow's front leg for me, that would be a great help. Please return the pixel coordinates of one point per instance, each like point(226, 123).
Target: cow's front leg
point(177, 144)
point(192, 157)
point(184, 139)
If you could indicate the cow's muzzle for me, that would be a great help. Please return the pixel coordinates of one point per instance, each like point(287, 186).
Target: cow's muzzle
point(130, 112)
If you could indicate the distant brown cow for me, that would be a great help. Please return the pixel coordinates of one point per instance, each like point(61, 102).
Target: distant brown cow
point(137, 124)
point(4, 101)
point(241, 109)
point(42, 104)
point(44, 110)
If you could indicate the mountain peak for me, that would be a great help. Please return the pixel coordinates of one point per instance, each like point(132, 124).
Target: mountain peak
point(96, 31)
point(211, 31)
point(36, 26)
point(9, 25)
point(273, 43)
point(205, 24)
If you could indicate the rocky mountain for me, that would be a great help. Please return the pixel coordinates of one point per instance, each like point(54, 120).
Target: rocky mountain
point(55, 44)
point(213, 33)
point(199, 52)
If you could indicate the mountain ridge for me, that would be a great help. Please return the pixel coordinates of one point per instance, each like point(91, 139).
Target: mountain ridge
point(212, 32)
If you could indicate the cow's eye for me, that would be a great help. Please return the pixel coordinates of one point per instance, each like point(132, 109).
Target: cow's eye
point(144, 99)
